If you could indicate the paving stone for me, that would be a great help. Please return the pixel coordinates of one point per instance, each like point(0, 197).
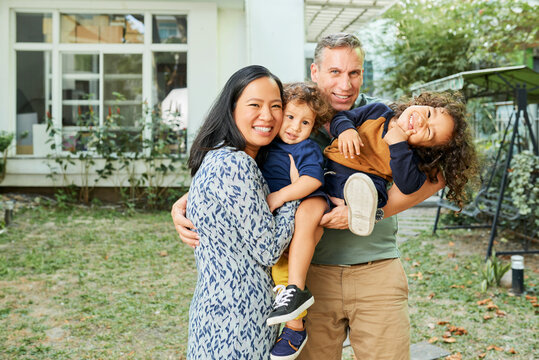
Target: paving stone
point(426, 351)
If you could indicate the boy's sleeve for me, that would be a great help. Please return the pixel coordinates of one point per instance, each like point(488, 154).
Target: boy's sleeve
point(309, 160)
point(351, 119)
point(406, 174)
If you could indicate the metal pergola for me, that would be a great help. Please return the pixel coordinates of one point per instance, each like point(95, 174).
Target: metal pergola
point(519, 83)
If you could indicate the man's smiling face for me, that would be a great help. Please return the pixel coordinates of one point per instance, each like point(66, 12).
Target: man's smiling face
point(339, 76)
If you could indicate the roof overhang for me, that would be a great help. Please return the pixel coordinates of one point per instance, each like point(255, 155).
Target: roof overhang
point(324, 17)
point(487, 82)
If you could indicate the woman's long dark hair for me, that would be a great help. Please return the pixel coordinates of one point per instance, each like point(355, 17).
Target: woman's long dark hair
point(219, 128)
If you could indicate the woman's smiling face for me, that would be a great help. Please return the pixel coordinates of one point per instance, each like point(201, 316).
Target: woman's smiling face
point(259, 113)
point(432, 126)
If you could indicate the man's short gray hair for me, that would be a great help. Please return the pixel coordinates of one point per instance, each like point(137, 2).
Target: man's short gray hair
point(337, 40)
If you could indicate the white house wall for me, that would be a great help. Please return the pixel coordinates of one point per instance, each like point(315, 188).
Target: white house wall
point(224, 35)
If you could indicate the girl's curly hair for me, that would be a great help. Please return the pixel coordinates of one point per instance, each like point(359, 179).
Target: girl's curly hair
point(308, 93)
point(457, 160)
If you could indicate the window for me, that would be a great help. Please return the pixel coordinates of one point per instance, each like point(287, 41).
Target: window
point(78, 68)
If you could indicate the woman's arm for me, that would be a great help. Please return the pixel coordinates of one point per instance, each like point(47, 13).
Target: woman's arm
point(240, 192)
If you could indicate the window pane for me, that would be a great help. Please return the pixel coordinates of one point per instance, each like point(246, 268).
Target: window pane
point(33, 95)
point(170, 92)
point(123, 87)
point(170, 29)
point(34, 27)
point(80, 89)
point(99, 28)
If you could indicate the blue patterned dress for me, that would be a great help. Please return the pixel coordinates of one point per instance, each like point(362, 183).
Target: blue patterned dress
point(239, 240)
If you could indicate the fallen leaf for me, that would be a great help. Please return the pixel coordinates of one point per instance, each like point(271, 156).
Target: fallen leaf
point(442, 322)
point(497, 348)
point(457, 356)
point(484, 301)
point(433, 339)
point(446, 334)
point(512, 351)
point(456, 267)
point(457, 286)
point(492, 306)
point(487, 317)
point(431, 295)
point(500, 313)
point(163, 253)
point(450, 340)
point(451, 243)
point(407, 259)
point(451, 255)
point(482, 355)
point(417, 275)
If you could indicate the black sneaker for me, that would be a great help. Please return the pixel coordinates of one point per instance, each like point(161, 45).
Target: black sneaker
point(289, 303)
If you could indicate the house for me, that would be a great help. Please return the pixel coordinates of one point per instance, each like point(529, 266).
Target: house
point(78, 63)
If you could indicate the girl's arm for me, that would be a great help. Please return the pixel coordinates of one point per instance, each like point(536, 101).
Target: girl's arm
point(304, 186)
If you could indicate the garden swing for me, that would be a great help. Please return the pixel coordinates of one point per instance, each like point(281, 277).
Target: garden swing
point(521, 83)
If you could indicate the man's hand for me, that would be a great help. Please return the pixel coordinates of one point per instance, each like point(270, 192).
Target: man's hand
point(337, 218)
point(183, 226)
point(395, 134)
point(349, 143)
point(275, 200)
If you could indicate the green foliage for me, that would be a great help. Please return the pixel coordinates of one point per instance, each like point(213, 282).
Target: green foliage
point(147, 141)
point(5, 140)
point(437, 38)
point(523, 184)
point(492, 272)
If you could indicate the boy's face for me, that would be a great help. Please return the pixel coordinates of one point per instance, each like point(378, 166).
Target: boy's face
point(298, 121)
point(432, 126)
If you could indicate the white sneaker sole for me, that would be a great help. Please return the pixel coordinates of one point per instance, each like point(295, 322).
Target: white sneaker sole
point(362, 200)
point(294, 314)
point(294, 355)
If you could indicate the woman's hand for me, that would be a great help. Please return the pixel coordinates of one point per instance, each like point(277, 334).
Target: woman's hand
point(294, 174)
point(183, 225)
point(337, 218)
point(349, 143)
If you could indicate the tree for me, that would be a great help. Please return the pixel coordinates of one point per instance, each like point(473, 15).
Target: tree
point(437, 38)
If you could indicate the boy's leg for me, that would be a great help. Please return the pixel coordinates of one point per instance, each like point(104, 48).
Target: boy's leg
point(307, 234)
point(293, 301)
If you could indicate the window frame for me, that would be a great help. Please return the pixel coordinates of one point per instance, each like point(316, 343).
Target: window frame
point(56, 48)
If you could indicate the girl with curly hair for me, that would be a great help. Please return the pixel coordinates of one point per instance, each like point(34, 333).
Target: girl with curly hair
point(405, 143)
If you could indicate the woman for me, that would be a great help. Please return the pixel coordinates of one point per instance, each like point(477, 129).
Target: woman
point(239, 237)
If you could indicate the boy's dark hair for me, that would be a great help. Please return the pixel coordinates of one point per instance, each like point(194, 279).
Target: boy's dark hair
point(219, 128)
point(309, 94)
point(457, 160)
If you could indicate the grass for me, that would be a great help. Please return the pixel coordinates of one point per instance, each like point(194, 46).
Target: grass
point(93, 284)
point(85, 283)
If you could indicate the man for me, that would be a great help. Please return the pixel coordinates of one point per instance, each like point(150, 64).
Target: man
point(358, 282)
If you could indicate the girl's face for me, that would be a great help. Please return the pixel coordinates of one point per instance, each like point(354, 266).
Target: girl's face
point(432, 126)
point(298, 121)
point(259, 113)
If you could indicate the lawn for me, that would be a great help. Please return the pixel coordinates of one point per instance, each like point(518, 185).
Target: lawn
point(95, 283)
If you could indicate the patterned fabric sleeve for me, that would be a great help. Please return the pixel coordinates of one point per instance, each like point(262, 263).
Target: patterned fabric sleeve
point(242, 192)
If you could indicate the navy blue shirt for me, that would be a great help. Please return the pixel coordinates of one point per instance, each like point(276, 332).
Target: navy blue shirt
point(307, 157)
